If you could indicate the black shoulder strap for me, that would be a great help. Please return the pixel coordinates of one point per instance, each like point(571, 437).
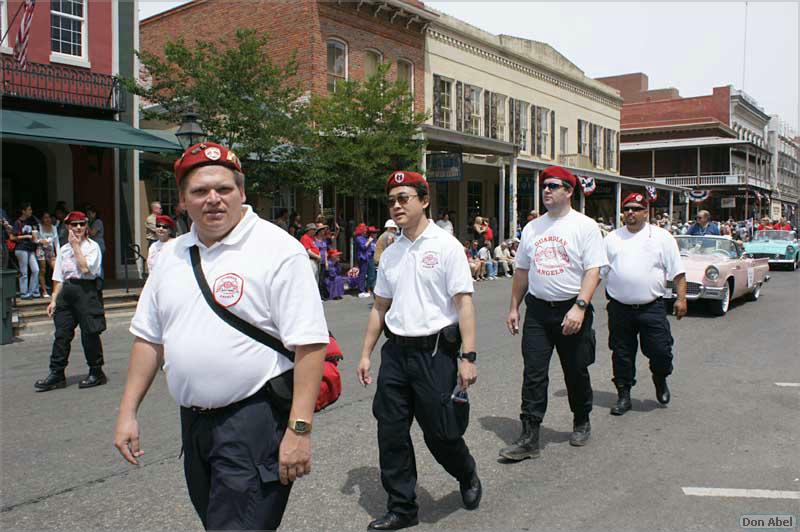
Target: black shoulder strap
point(230, 318)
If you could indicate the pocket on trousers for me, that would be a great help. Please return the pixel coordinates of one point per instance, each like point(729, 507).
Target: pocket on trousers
point(453, 418)
point(590, 347)
point(268, 472)
point(94, 323)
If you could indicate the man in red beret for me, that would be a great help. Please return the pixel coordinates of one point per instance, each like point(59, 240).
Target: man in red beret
point(423, 304)
point(77, 300)
point(641, 256)
point(557, 271)
point(244, 442)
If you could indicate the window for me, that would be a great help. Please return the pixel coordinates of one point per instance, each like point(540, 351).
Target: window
point(610, 142)
point(474, 199)
point(563, 146)
point(494, 112)
point(405, 74)
point(597, 145)
point(67, 27)
point(4, 18)
point(543, 133)
point(285, 198)
point(372, 60)
point(337, 64)
point(468, 106)
point(518, 123)
point(442, 102)
point(583, 137)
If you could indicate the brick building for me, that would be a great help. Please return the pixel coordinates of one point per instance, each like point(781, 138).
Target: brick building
point(68, 130)
point(331, 41)
point(715, 142)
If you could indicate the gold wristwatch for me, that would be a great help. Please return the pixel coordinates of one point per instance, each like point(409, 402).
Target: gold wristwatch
point(299, 426)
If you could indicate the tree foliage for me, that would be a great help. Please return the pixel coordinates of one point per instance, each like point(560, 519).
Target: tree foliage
point(241, 97)
point(361, 133)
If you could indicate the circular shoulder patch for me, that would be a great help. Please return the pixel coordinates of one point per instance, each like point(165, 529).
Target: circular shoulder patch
point(213, 153)
point(228, 289)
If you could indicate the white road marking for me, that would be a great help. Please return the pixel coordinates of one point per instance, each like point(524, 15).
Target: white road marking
point(788, 384)
point(744, 493)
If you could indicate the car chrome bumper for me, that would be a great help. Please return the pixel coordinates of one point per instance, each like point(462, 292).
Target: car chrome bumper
point(696, 291)
point(781, 261)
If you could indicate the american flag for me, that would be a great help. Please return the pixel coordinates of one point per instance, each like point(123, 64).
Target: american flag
point(652, 193)
point(21, 48)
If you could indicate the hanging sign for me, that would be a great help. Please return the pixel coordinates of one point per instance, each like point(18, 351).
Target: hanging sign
point(588, 184)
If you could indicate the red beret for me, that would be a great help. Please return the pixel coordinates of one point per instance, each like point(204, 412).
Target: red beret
point(372, 229)
point(75, 216)
point(164, 219)
point(405, 179)
point(636, 197)
point(360, 229)
point(556, 172)
point(334, 252)
point(204, 154)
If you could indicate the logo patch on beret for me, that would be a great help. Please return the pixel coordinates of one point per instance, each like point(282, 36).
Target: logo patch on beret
point(232, 157)
point(639, 197)
point(399, 177)
point(213, 153)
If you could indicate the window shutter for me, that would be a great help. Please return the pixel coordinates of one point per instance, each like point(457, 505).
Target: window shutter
point(618, 164)
point(437, 101)
point(511, 120)
point(487, 115)
point(459, 106)
point(535, 129)
point(605, 148)
point(493, 125)
point(580, 136)
point(591, 144)
point(552, 135)
point(468, 108)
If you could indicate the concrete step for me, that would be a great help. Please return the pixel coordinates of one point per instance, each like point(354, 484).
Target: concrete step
point(33, 311)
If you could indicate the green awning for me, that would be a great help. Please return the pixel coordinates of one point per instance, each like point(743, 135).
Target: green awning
point(82, 131)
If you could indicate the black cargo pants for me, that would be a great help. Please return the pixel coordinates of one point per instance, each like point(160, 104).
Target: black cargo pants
point(80, 302)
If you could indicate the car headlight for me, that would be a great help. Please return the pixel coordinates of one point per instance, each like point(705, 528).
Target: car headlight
point(790, 250)
point(712, 273)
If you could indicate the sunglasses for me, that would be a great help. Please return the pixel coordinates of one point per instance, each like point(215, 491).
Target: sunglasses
point(552, 186)
point(402, 199)
point(77, 224)
point(634, 209)
point(162, 226)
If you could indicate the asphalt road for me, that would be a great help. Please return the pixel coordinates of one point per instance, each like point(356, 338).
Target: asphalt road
point(728, 426)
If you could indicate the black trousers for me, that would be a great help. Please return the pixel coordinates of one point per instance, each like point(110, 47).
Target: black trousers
point(415, 383)
point(541, 332)
point(231, 465)
point(78, 303)
point(647, 324)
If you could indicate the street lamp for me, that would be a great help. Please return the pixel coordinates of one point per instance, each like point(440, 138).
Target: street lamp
point(190, 133)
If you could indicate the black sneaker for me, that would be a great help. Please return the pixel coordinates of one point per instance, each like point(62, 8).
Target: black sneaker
point(580, 434)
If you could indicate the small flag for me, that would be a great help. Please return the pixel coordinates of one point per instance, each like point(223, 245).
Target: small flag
point(588, 185)
point(21, 47)
point(652, 193)
point(699, 196)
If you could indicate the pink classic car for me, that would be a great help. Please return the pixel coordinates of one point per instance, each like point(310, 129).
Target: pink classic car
point(719, 271)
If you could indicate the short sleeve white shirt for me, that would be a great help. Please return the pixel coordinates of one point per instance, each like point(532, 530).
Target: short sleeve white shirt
point(421, 278)
point(67, 266)
point(447, 225)
point(153, 253)
point(557, 252)
point(258, 272)
point(639, 264)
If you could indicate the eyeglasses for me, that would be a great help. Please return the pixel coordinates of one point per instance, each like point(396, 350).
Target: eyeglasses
point(77, 224)
point(162, 226)
point(402, 199)
point(634, 209)
point(552, 186)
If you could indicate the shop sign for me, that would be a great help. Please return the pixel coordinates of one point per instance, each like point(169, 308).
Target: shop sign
point(728, 203)
point(444, 167)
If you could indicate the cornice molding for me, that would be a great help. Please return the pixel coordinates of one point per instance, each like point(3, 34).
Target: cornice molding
point(547, 77)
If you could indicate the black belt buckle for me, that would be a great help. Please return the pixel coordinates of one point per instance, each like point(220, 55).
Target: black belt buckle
point(203, 411)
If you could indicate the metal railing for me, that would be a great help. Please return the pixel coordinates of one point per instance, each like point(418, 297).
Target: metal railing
point(61, 84)
point(133, 253)
point(715, 179)
point(577, 160)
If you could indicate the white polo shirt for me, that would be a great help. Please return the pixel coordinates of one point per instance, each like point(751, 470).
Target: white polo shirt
point(557, 252)
point(67, 267)
point(258, 272)
point(153, 252)
point(421, 278)
point(639, 264)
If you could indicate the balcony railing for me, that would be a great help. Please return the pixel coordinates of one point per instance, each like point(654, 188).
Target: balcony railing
point(577, 160)
point(712, 180)
point(61, 84)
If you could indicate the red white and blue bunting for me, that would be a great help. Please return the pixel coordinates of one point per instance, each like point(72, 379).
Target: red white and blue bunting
point(699, 196)
point(652, 193)
point(588, 185)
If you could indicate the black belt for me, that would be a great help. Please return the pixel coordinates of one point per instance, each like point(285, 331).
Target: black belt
point(450, 335)
point(221, 409)
point(530, 298)
point(82, 282)
point(637, 306)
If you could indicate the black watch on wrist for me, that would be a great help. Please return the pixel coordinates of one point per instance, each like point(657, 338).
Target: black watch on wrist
point(581, 304)
point(470, 356)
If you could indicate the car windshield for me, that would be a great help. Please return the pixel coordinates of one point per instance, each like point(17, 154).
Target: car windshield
point(699, 245)
point(774, 235)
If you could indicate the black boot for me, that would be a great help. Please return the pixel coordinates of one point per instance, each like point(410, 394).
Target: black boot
point(527, 445)
point(393, 521)
point(662, 390)
point(623, 401)
point(96, 377)
point(581, 430)
point(471, 491)
point(55, 379)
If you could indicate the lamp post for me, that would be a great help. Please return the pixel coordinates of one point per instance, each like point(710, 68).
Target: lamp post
point(190, 133)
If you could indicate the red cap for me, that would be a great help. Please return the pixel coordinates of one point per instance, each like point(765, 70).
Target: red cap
point(204, 154)
point(360, 229)
point(405, 179)
point(556, 172)
point(164, 219)
point(334, 252)
point(75, 216)
point(372, 229)
point(636, 197)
